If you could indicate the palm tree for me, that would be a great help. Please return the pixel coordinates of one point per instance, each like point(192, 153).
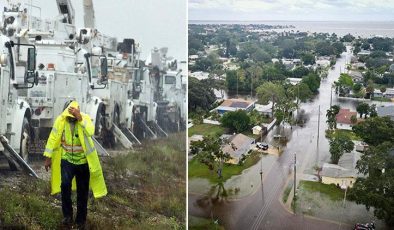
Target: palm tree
point(331, 118)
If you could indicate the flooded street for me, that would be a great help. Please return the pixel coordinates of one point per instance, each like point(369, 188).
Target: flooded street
point(263, 209)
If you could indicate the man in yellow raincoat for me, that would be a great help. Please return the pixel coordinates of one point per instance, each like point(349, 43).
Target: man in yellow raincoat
point(71, 153)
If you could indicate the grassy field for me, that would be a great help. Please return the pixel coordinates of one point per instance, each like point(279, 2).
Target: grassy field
point(349, 133)
point(197, 169)
point(206, 129)
point(146, 190)
point(331, 190)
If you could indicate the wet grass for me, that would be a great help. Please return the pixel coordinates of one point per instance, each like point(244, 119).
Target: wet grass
point(384, 99)
point(198, 223)
point(340, 132)
point(287, 192)
point(146, 190)
point(330, 190)
point(197, 169)
point(206, 130)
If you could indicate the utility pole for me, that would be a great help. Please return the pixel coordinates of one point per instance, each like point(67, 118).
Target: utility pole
point(318, 128)
point(261, 168)
point(331, 97)
point(295, 185)
point(237, 85)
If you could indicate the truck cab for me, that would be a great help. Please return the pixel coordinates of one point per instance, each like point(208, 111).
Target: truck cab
point(15, 113)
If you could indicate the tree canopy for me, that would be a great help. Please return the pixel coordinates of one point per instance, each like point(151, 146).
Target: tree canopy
point(238, 121)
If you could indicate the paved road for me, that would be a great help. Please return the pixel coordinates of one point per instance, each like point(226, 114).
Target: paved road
point(263, 209)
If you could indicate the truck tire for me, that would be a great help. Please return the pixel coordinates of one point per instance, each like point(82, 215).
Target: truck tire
point(25, 140)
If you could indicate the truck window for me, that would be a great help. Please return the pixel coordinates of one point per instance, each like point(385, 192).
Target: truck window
point(170, 80)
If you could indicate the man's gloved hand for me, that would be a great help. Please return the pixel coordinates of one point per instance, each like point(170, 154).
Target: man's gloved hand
point(48, 163)
point(75, 112)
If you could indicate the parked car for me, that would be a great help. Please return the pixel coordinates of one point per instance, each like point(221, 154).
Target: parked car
point(367, 226)
point(262, 145)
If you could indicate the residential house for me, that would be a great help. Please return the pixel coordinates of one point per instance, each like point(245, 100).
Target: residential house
point(293, 80)
point(391, 68)
point(234, 105)
point(389, 93)
point(200, 75)
point(386, 111)
point(356, 76)
point(378, 93)
point(359, 65)
point(344, 120)
point(237, 145)
point(264, 109)
point(323, 63)
point(344, 174)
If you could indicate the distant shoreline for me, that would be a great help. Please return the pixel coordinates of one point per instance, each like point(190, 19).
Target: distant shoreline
point(364, 29)
point(253, 21)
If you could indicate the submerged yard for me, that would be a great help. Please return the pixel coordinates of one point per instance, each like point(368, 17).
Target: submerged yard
point(146, 190)
point(197, 169)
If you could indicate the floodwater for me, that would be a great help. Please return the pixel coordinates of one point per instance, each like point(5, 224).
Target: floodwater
point(262, 208)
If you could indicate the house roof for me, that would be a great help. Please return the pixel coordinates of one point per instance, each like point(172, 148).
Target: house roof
point(386, 111)
point(263, 108)
point(344, 116)
point(238, 145)
point(346, 166)
point(235, 104)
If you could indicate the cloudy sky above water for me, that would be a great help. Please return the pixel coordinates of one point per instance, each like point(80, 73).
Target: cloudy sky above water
point(151, 22)
point(304, 10)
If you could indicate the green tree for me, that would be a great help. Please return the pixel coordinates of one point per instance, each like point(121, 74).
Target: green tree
point(308, 59)
point(363, 109)
point(372, 111)
point(383, 130)
point(209, 152)
point(331, 120)
point(331, 116)
point(338, 146)
point(357, 87)
point(270, 91)
point(353, 119)
point(370, 88)
point(238, 121)
point(313, 82)
point(302, 91)
point(376, 188)
point(336, 109)
point(255, 72)
point(200, 96)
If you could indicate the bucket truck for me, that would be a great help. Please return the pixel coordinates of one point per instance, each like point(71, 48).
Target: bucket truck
point(15, 113)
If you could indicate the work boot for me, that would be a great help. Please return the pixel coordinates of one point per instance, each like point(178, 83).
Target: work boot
point(80, 226)
point(67, 222)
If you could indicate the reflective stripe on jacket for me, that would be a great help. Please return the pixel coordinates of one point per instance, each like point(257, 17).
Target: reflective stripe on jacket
point(72, 147)
point(54, 151)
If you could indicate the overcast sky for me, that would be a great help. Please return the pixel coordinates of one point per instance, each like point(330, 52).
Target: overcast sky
point(304, 10)
point(151, 22)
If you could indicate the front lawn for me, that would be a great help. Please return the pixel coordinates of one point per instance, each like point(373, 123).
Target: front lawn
point(197, 169)
point(338, 132)
point(206, 130)
point(329, 190)
point(384, 99)
point(198, 223)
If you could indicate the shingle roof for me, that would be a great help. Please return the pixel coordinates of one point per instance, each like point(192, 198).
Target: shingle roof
point(344, 116)
point(384, 111)
point(241, 144)
point(346, 166)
